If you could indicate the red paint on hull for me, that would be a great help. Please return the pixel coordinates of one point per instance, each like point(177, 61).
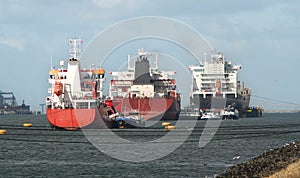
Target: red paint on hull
point(149, 107)
point(71, 119)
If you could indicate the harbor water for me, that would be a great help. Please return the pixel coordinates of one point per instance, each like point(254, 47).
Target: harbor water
point(40, 151)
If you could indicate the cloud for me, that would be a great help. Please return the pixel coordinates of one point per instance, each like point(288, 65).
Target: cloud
point(13, 43)
point(106, 3)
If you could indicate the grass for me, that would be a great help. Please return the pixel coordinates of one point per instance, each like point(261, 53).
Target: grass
point(292, 171)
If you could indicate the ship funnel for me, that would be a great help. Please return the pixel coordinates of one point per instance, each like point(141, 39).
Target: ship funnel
point(142, 67)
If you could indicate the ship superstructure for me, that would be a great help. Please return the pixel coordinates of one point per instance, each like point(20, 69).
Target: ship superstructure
point(145, 88)
point(216, 79)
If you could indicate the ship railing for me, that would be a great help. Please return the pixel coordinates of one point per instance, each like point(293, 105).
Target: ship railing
point(84, 104)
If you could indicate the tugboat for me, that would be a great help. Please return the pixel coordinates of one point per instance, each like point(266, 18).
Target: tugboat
point(210, 115)
point(230, 113)
point(131, 120)
point(254, 112)
point(75, 98)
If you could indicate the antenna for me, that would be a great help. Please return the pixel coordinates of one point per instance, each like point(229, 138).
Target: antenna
point(156, 60)
point(51, 59)
point(128, 61)
point(75, 51)
point(51, 62)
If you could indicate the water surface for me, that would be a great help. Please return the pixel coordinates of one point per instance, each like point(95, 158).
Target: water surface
point(41, 151)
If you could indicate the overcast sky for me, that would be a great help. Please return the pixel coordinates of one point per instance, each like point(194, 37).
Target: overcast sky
point(261, 35)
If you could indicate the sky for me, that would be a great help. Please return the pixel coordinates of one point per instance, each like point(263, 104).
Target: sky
point(261, 35)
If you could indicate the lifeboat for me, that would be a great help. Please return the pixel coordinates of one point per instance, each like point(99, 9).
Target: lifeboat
point(58, 87)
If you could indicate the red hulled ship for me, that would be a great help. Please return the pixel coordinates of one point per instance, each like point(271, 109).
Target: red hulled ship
point(75, 97)
point(145, 89)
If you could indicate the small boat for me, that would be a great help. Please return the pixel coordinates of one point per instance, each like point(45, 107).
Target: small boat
point(210, 115)
point(254, 112)
point(230, 113)
point(132, 120)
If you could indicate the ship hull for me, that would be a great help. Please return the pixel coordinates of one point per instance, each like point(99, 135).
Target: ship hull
point(241, 103)
point(173, 112)
point(150, 108)
point(73, 119)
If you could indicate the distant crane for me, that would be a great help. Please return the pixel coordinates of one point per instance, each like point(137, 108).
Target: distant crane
point(42, 105)
point(7, 98)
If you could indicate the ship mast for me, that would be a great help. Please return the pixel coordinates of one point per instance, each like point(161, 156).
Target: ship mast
point(75, 50)
point(156, 61)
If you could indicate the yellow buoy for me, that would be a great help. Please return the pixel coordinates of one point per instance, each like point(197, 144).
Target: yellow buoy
point(165, 124)
point(170, 127)
point(27, 125)
point(2, 132)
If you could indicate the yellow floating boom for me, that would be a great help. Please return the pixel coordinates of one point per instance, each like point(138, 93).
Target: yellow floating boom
point(170, 127)
point(27, 125)
point(2, 132)
point(165, 124)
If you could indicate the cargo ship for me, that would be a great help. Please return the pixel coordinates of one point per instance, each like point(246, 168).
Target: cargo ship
point(9, 105)
point(145, 89)
point(75, 98)
point(215, 85)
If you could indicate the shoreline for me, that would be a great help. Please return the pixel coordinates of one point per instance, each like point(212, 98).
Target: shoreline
point(280, 161)
point(293, 170)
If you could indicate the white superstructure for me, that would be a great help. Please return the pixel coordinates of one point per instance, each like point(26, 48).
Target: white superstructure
point(122, 83)
point(74, 87)
point(215, 85)
point(215, 76)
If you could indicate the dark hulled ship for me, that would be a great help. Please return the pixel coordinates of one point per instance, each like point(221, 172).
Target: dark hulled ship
point(216, 85)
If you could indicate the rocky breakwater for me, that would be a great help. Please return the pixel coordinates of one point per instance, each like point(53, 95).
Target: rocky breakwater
point(266, 164)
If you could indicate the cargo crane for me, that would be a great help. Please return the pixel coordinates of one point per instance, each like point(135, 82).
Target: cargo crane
point(7, 99)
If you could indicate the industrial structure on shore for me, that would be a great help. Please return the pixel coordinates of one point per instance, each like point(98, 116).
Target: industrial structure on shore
point(8, 104)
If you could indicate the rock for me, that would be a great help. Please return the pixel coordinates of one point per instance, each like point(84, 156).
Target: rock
point(266, 164)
